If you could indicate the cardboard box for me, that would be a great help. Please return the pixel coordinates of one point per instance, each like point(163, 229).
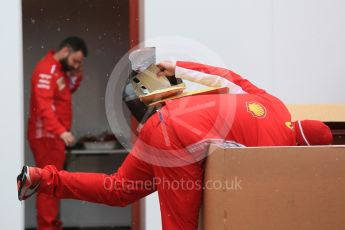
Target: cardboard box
point(275, 188)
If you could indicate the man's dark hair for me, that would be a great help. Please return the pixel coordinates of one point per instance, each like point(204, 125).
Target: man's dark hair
point(75, 43)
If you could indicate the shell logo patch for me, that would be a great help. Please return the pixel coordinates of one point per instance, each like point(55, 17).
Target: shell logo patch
point(256, 109)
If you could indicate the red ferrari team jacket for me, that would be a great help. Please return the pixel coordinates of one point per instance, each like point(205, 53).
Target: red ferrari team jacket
point(247, 116)
point(50, 102)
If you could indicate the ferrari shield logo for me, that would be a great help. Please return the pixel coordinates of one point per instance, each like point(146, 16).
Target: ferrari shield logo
point(61, 83)
point(289, 125)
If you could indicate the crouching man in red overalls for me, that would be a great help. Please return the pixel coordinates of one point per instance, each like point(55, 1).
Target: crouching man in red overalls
point(169, 152)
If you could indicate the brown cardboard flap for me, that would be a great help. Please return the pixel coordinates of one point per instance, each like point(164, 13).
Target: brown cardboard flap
point(277, 188)
point(322, 112)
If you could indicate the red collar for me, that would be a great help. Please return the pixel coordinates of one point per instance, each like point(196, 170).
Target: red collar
point(51, 59)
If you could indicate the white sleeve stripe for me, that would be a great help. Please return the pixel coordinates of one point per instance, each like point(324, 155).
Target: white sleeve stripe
point(43, 86)
point(45, 76)
point(43, 81)
point(207, 79)
point(52, 70)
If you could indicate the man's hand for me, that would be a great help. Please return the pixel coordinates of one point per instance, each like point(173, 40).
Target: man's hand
point(75, 78)
point(167, 68)
point(68, 138)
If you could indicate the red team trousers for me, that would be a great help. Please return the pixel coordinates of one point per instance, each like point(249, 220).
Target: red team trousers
point(48, 151)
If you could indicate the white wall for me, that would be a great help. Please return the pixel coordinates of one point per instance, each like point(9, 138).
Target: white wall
point(309, 50)
point(11, 122)
point(293, 48)
point(152, 217)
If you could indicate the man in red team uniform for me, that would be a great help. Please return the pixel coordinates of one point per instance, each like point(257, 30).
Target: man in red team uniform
point(171, 147)
point(54, 79)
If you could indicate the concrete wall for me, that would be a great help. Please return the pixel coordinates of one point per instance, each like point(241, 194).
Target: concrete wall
point(104, 26)
point(295, 49)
